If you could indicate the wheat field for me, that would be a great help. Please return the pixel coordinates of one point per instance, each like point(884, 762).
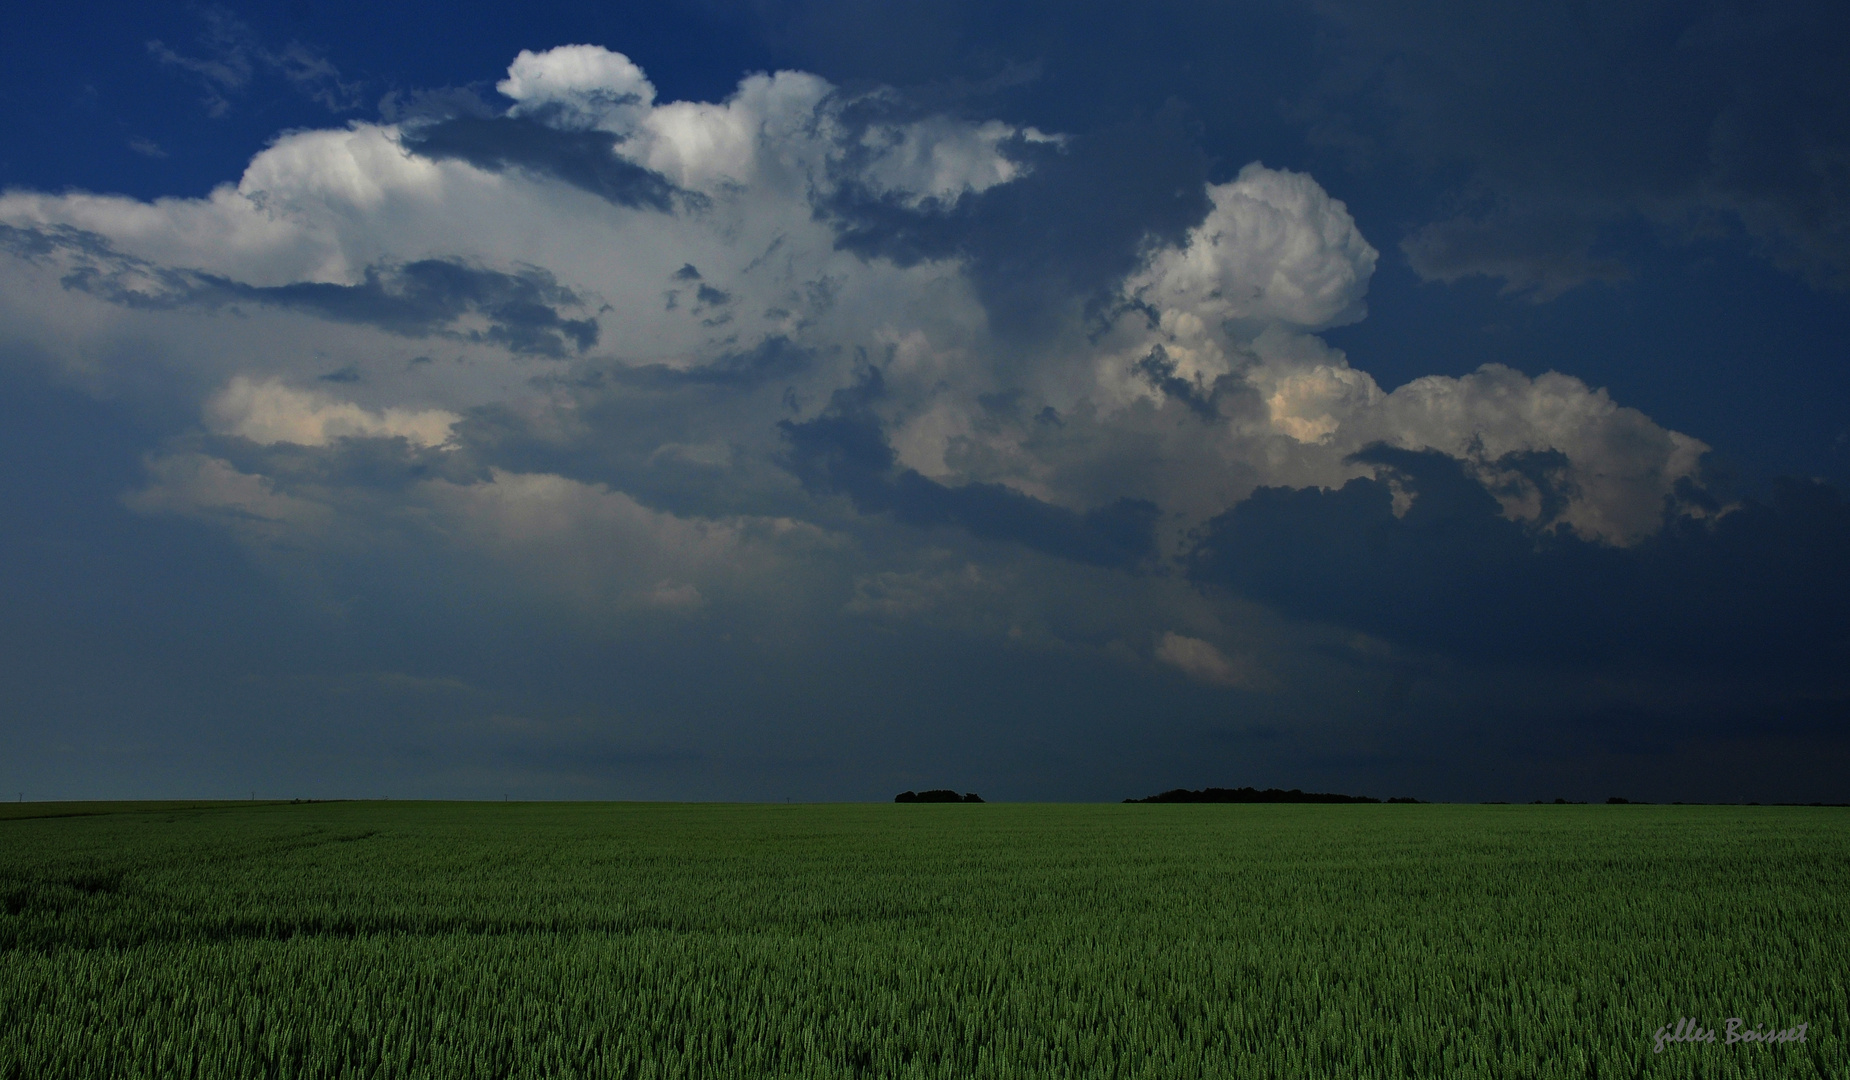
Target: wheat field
point(447, 940)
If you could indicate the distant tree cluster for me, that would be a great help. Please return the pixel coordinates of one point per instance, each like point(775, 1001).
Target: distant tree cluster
point(936, 795)
point(1252, 795)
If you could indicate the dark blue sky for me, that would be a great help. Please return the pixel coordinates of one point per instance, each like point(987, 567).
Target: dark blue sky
point(824, 399)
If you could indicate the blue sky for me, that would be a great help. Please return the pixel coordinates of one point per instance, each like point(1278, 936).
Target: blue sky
point(821, 400)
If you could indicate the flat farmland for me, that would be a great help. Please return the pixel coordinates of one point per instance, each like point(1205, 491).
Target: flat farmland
point(391, 939)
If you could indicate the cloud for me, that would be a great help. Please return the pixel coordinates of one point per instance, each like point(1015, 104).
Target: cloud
point(1423, 554)
point(824, 429)
point(270, 412)
point(1579, 125)
point(597, 556)
point(1615, 466)
point(234, 54)
point(419, 299)
point(1136, 185)
point(1091, 394)
point(584, 159)
point(810, 363)
point(1687, 122)
point(589, 84)
point(1275, 250)
point(1199, 659)
point(1538, 257)
point(844, 452)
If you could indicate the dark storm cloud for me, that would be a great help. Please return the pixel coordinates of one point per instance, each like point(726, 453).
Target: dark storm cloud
point(1763, 584)
point(1535, 132)
point(1077, 57)
point(414, 300)
point(587, 160)
point(845, 452)
point(1635, 729)
point(1697, 116)
point(98, 598)
point(1082, 218)
point(228, 597)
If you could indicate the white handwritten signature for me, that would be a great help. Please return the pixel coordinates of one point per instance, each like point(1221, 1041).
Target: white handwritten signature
point(1688, 1030)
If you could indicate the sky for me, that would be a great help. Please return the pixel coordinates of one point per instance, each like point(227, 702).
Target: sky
point(820, 400)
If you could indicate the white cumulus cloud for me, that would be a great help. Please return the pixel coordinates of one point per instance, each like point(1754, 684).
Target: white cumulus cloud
point(269, 412)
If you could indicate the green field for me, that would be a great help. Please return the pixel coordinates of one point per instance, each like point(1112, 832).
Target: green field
point(647, 940)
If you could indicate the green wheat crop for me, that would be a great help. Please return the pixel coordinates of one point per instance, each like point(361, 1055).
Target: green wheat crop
point(629, 940)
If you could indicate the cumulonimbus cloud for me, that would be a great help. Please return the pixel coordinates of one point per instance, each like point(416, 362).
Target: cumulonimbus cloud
point(671, 317)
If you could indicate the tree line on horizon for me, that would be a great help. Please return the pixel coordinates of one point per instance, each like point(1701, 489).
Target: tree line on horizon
point(1253, 795)
point(936, 795)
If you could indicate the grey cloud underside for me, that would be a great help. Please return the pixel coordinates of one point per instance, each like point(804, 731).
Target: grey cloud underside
point(35, 244)
point(845, 452)
point(629, 413)
point(630, 418)
point(1760, 585)
point(424, 297)
point(372, 464)
point(776, 357)
point(587, 160)
point(417, 299)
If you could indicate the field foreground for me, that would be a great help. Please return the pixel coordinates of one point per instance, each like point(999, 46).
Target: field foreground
point(638, 940)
